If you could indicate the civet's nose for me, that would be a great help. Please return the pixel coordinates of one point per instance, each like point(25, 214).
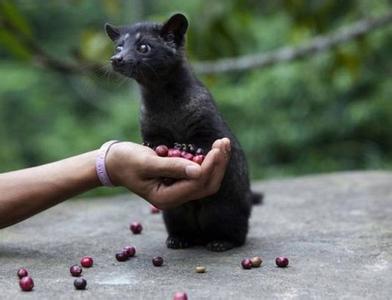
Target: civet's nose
point(117, 59)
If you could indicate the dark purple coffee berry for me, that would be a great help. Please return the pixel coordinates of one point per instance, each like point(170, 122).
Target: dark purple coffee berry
point(75, 270)
point(157, 261)
point(162, 150)
point(246, 263)
point(122, 256)
point(174, 153)
point(180, 296)
point(282, 261)
point(198, 159)
point(130, 250)
point(136, 227)
point(26, 283)
point(191, 149)
point(22, 272)
point(80, 283)
point(87, 262)
point(168, 181)
point(199, 151)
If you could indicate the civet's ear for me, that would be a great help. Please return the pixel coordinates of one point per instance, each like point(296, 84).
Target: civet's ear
point(113, 32)
point(175, 28)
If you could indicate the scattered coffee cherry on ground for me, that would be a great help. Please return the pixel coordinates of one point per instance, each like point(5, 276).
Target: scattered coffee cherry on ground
point(22, 272)
point(162, 150)
point(136, 227)
point(122, 256)
point(200, 269)
point(130, 250)
point(87, 261)
point(155, 210)
point(80, 283)
point(246, 263)
point(282, 261)
point(75, 270)
point(180, 296)
point(256, 261)
point(26, 283)
point(157, 261)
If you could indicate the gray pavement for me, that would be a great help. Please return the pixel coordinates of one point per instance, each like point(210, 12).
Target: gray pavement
point(336, 230)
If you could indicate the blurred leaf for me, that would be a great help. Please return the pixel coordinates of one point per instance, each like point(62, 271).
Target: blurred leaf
point(13, 45)
point(10, 12)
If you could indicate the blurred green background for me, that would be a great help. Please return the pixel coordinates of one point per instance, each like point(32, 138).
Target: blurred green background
point(327, 112)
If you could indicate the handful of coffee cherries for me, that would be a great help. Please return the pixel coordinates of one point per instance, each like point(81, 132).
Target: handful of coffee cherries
point(187, 151)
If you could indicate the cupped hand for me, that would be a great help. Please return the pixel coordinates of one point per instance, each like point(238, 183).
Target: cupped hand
point(140, 169)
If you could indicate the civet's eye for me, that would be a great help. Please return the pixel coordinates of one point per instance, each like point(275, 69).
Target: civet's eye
point(143, 48)
point(119, 48)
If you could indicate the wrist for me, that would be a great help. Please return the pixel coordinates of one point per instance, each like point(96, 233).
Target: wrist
point(112, 166)
point(101, 163)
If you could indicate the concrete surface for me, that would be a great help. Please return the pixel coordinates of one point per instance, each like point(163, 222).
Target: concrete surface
point(336, 230)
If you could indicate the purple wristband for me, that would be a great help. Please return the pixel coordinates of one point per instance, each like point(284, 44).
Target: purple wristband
point(100, 165)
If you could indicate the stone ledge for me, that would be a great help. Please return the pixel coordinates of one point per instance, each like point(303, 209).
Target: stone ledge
point(336, 230)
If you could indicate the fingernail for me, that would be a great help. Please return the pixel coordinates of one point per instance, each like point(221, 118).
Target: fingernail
point(192, 171)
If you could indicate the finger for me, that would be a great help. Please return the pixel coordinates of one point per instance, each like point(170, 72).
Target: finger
point(172, 167)
point(221, 160)
point(165, 197)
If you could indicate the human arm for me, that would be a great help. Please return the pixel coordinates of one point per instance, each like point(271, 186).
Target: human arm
point(26, 192)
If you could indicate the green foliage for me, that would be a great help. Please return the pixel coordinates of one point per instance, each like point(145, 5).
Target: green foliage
point(326, 113)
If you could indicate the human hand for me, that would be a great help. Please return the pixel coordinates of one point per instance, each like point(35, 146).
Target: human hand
point(141, 170)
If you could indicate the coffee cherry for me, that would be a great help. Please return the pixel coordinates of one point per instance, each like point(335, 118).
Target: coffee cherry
point(168, 181)
point(180, 296)
point(162, 150)
point(200, 269)
point(246, 263)
point(282, 261)
point(199, 151)
point(80, 283)
point(186, 155)
point(122, 256)
point(256, 261)
point(198, 159)
point(136, 227)
point(130, 250)
point(75, 270)
point(22, 272)
point(157, 261)
point(26, 283)
point(154, 210)
point(87, 262)
point(174, 153)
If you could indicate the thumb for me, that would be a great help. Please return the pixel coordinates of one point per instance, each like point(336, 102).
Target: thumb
point(172, 167)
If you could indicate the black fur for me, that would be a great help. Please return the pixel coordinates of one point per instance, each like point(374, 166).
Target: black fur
point(176, 107)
